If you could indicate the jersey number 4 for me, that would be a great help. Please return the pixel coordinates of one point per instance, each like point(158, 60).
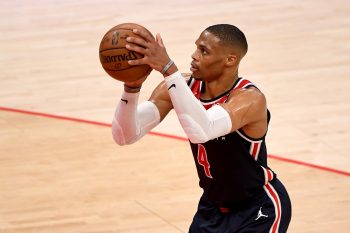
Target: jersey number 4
point(202, 159)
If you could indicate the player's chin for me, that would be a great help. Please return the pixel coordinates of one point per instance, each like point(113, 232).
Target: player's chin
point(196, 75)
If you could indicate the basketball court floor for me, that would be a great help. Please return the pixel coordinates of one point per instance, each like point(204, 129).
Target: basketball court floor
point(60, 170)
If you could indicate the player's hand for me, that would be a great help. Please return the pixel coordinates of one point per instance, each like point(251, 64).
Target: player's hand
point(155, 54)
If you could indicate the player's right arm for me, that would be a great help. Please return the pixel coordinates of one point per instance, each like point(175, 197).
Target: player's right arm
point(161, 99)
point(132, 120)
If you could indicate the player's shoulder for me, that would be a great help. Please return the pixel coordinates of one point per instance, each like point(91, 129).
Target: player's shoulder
point(252, 93)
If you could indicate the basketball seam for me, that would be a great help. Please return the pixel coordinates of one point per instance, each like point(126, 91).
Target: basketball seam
point(113, 29)
point(121, 69)
point(101, 51)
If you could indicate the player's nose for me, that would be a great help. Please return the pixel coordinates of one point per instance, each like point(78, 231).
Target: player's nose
point(195, 55)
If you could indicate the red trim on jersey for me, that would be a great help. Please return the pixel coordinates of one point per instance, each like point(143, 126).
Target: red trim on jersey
point(271, 192)
point(268, 174)
point(255, 149)
point(196, 89)
point(218, 101)
point(207, 106)
point(242, 83)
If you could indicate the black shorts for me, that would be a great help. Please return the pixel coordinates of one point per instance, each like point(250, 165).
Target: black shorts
point(270, 213)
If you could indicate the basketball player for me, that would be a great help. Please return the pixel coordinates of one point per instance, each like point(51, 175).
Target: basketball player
point(225, 118)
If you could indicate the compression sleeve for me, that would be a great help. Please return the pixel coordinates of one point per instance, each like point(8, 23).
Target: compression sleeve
point(131, 121)
point(199, 124)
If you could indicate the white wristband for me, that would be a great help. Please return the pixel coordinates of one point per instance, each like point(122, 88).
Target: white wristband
point(167, 66)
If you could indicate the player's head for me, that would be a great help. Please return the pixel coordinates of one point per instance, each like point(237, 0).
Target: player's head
point(219, 50)
point(230, 35)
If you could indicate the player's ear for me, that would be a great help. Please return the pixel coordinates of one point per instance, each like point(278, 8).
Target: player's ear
point(231, 59)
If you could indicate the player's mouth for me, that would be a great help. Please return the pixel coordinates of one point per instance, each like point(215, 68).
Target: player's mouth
point(194, 67)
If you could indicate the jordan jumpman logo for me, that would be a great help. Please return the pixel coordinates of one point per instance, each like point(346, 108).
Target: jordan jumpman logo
point(260, 214)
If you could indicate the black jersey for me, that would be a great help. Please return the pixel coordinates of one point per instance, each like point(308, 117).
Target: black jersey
point(232, 168)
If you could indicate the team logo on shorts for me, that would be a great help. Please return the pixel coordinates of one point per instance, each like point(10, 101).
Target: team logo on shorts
point(260, 214)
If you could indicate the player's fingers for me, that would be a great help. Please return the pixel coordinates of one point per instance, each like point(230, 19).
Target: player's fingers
point(138, 41)
point(137, 62)
point(144, 34)
point(159, 40)
point(136, 48)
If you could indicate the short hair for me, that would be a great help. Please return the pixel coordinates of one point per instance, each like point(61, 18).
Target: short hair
point(230, 35)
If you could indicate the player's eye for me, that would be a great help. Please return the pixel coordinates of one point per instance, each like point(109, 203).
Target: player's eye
point(204, 51)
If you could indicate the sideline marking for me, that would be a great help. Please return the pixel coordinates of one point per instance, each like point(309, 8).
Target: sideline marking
point(323, 168)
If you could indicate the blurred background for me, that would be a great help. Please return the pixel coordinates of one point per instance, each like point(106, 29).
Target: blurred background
point(299, 56)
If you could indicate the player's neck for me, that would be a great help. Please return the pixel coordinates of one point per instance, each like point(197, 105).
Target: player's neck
point(219, 86)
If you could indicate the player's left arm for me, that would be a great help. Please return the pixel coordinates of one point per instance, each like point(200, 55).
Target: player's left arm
point(247, 109)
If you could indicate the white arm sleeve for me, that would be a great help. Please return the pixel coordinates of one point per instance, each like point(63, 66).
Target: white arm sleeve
point(199, 124)
point(132, 122)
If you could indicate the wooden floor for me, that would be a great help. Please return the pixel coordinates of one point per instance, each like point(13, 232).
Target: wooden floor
point(64, 175)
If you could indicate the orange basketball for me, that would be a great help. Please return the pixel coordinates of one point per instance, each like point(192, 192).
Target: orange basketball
point(114, 56)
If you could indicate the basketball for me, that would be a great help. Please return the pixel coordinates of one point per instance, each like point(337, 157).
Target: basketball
point(114, 56)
